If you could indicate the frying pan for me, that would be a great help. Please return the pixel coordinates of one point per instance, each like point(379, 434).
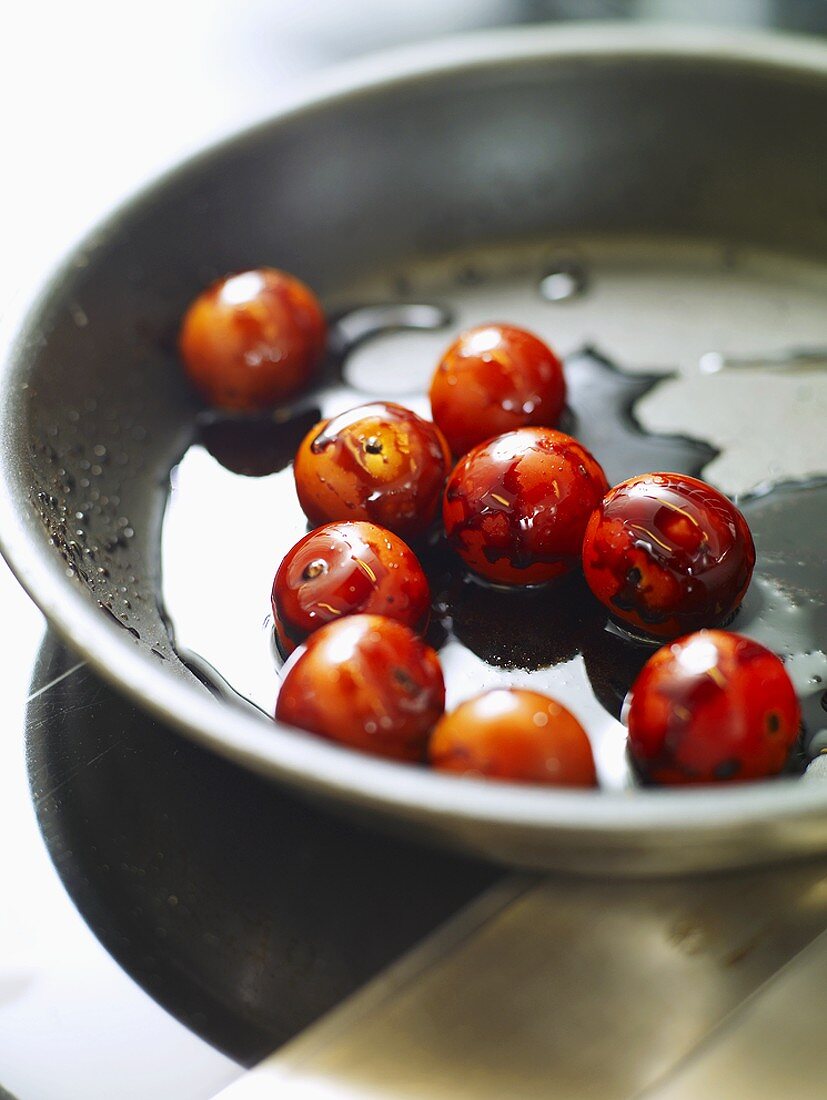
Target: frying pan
point(507, 137)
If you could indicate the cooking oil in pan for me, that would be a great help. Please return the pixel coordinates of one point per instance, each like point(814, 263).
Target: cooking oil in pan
point(232, 514)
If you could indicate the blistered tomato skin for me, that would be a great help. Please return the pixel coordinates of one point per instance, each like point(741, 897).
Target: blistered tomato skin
point(668, 554)
point(515, 735)
point(713, 707)
point(367, 682)
point(344, 569)
point(516, 507)
point(253, 339)
point(492, 379)
point(378, 462)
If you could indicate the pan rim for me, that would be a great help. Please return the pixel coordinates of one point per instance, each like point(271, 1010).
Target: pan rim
point(295, 757)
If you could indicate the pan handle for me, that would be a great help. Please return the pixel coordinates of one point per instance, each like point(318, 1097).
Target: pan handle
point(576, 988)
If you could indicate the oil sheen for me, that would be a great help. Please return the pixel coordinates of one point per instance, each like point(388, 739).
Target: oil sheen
point(232, 514)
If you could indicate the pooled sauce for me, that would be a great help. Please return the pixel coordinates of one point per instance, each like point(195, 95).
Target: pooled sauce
point(233, 514)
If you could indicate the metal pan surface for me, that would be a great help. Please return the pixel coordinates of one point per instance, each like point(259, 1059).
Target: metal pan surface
point(517, 144)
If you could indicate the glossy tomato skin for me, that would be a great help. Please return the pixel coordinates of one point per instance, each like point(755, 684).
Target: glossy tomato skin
point(668, 554)
point(516, 507)
point(710, 708)
point(367, 682)
point(378, 462)
point(347, 568)
point(252, 339)
point(516, 735)
point(492, 379)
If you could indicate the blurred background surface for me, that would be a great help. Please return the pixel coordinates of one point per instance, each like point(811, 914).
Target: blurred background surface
point(97, 97)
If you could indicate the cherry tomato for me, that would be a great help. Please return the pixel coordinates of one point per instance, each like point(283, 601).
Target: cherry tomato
point(515, 508)
point(667, 554)
point(252, 339)
point(377, 462)
point(514, 734)
point(710, 708)
point(492, 379)
point(367, 682)
point(343, 569)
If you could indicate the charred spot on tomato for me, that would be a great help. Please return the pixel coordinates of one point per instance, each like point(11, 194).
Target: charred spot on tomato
point(727, 769)
point(404, 679)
